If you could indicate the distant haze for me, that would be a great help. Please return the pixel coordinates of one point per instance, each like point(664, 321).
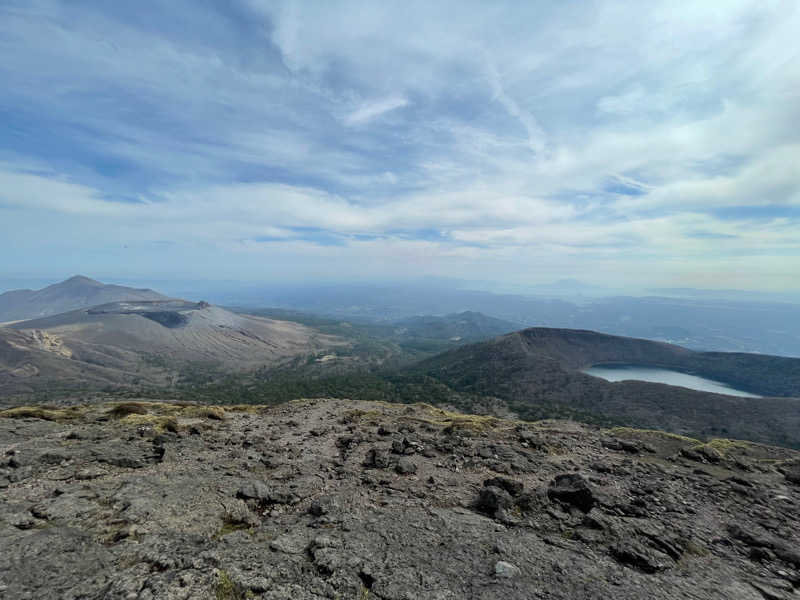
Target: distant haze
point(626, 144)
point(728, 320)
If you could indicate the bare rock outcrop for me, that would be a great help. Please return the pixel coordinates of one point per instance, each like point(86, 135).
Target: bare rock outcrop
point(341, 499)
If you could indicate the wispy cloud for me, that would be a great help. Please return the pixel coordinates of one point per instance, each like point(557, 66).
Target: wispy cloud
point(602, 140)
point(371, 110)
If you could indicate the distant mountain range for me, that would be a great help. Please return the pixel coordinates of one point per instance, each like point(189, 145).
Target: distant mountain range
point(703, 321)
point(74, 293)
point(465, 359)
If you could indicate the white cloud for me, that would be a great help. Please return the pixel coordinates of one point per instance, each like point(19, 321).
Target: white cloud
point(514, 138)
point(372, 110)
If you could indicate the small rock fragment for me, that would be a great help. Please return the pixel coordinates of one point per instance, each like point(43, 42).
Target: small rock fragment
point(289, 544)
point(322, 506)
point(506, 570)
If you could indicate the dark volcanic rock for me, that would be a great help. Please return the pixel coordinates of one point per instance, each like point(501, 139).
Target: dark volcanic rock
point(639, 557)
point(378, 458)
point(406, 466)
point(512, 487)
point(323, 506)
point(792, 473)
point(212, 519)
point(491, 499)
point(572, 489)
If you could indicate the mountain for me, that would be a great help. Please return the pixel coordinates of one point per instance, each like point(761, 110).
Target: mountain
point(74, 293)
point(536, 372)
point(145, 342)
point(329, 498)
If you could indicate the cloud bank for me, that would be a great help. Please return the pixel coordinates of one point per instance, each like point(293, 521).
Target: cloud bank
point(616, 142)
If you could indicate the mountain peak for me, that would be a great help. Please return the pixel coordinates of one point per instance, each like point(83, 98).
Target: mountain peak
point(81, 279)
point(71, 294)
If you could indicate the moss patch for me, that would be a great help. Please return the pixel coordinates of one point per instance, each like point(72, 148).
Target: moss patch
point(226, 589)
point(229, 527)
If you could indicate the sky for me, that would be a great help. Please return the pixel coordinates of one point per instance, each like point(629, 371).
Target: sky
point(619, 143)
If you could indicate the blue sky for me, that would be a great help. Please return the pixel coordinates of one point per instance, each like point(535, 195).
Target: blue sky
point(624, 143)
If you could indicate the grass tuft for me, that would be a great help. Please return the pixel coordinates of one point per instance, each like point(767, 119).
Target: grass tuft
point(39, 412)
point(216, 413)
point(722, 446)
point(128, 408)
point(225, 588)
point(631, 431)
point(160, 423)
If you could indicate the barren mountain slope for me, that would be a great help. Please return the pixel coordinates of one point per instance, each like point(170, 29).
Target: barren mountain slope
point(76, 292)
point(181, 330)
point(36, 361)
point(341, 499)
point(128, 342)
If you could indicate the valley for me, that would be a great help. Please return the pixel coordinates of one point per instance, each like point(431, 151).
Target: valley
point(194, 351)
point(194, 451)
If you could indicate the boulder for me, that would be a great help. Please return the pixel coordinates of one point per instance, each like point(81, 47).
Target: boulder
point(572, 489)
point(322, 506)
point(634, 555)
point(254, 490)
point(377, 458)
point(491, 499)
point(405, 466)
point(512, 487)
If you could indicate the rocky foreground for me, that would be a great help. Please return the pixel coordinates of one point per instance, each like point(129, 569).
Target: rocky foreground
point(339, 499)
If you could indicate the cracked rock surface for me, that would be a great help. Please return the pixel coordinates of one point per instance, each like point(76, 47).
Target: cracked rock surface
point(341, 499)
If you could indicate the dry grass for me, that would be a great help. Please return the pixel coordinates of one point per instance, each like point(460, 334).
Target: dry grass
point(459, 423)
point(632, 432)
point(252, 409)
point(160, 423)
point(361, 416)
point(228, 528)
point(44, 413)
point(216, 413)
point(721, 447)
point(128, 408)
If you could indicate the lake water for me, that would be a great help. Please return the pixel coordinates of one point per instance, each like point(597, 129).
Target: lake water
point(657, 375)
